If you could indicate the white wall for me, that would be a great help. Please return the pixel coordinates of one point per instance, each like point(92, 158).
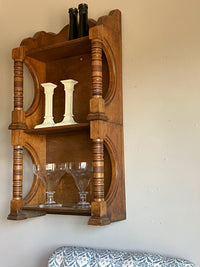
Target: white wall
point(161, 83)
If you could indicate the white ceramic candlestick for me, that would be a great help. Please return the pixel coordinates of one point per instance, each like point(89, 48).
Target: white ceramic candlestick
point(68, 116)
point(48, 118)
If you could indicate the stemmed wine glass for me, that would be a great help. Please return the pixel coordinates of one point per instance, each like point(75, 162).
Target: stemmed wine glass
point(50, 174)
point(82, 174)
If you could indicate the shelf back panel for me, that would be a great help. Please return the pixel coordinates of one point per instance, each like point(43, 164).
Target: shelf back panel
point(77, 147)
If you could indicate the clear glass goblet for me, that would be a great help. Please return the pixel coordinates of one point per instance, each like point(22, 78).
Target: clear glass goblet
point(82, 174)
point(50, 174)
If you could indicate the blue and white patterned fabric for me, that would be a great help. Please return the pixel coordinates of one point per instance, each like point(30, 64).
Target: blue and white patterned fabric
point(89, 257)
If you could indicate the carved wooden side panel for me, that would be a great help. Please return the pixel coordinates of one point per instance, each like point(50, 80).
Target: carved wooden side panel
point(108, 122)
point(113, 131)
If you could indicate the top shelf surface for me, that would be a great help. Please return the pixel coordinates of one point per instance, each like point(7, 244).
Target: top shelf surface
point(61, 50)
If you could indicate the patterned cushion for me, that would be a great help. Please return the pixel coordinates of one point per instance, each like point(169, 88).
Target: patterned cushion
point(89, 257)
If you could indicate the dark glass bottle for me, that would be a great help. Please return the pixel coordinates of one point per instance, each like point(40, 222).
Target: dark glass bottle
point(73, 24)
point(83, 28)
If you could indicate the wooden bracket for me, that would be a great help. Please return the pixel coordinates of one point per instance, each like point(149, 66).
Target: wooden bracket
point(15, 210)
point(99, 214)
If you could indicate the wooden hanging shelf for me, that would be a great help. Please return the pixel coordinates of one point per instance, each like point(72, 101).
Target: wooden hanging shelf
point(95, 62)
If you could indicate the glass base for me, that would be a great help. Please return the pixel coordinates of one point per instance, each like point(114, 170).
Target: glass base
point(82, 205)
point(53, 205)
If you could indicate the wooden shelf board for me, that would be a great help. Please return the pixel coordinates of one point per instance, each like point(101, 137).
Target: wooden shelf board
point(65, 209)
point(59, 129)
point(61, 50)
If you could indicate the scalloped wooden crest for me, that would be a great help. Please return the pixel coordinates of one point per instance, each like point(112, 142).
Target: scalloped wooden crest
point(42, 38)
point(113, 13)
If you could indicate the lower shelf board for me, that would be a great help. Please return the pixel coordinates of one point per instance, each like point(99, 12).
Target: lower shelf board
point(60, 129)
point(65, 209)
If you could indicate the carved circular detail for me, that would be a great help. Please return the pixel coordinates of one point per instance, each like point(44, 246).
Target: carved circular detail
point(114, 165)
point(112, 71)
point(36, 82)
point(36, 182)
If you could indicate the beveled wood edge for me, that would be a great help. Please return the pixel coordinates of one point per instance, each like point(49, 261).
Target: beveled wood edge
point(17, 216)
point(32, 213)
point(99, 221)
point(65, 209)
point(17, 126)
point(97, 116)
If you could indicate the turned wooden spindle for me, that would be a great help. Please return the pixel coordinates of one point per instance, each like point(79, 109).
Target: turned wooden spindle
point(17, 172)
point(98, 170)
point(96, 116)
point(18, 125)
point(18, 84)
point(18, 148)
point(98, 152)
point(18, 114)
point(96, 52)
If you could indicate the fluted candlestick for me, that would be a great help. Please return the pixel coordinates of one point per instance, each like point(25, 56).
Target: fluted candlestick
point(48, 118)
point(68, 116)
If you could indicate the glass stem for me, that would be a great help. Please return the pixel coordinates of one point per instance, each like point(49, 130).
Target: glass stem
point(83, 196)
point(50, 197)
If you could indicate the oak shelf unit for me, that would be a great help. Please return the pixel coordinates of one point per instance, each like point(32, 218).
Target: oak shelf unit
point(95, 61)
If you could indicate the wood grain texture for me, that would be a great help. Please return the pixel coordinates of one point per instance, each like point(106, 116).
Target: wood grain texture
point(18, 84)
point(98, 170)
point(96, 52)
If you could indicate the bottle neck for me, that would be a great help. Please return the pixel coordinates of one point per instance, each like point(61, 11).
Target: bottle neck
point(73, 26)
point(83, 24)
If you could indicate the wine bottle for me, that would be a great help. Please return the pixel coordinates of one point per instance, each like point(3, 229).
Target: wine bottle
point(83, 28)
point(73, 24)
